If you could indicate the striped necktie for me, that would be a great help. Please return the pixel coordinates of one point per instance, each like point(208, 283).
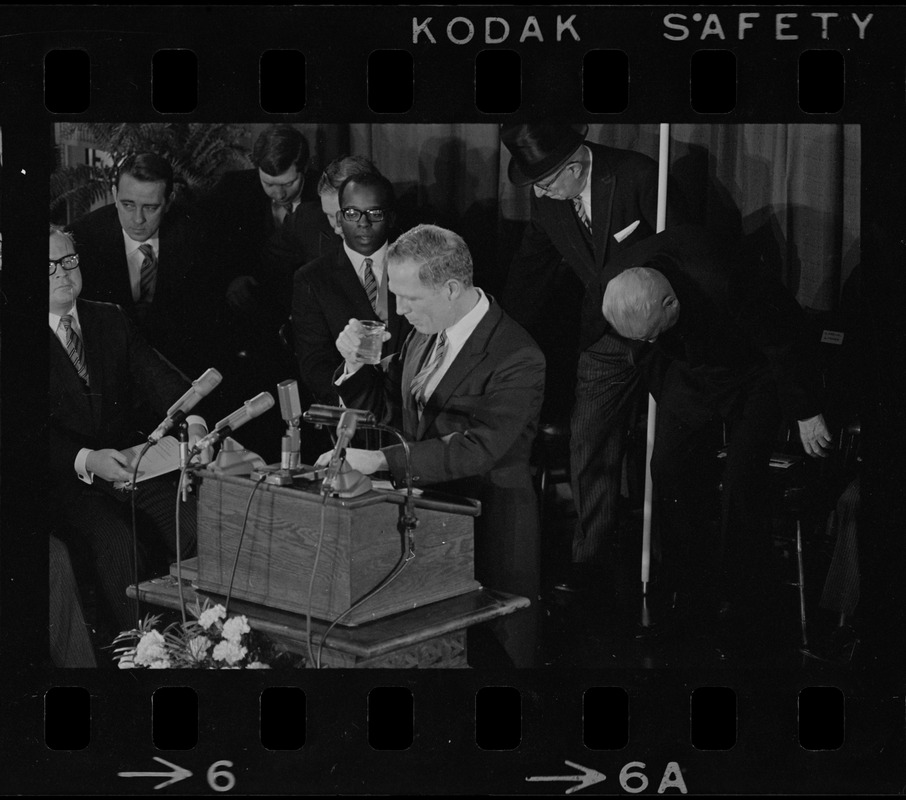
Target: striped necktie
point(370, 283)
point(148, 275)
point(580, 212)
point(74, 347)
point(420, 381)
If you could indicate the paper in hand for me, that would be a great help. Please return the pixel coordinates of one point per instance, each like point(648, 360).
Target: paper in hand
point(159, 460)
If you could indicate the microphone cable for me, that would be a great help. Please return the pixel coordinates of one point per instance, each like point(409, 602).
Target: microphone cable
point(135, 531)
point(245, 520)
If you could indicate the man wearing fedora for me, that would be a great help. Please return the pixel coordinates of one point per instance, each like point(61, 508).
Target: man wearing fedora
point(588, 203)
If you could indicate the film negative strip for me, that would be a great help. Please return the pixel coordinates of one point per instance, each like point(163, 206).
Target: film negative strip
point(783, 126)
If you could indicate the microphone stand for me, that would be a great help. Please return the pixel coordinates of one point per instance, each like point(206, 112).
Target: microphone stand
point(182, 433)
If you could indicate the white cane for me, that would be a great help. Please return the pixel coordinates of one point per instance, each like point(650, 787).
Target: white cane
point(663, 161)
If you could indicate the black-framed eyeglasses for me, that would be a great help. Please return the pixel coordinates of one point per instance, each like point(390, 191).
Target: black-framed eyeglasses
point(351, 214)
point(68, 263)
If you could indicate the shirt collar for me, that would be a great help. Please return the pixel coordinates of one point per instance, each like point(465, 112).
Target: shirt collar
point(461, 330)
point(132, 245)
point(377, 257)
point(54, 319)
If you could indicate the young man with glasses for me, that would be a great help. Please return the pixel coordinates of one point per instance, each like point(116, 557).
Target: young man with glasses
point(349, 283)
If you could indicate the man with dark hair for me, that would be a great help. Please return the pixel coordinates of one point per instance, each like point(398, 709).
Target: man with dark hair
point(588, 203)
point(142, 253)
point(248, 207)
point(107, 389)
point(466, 392)
point(351, 282)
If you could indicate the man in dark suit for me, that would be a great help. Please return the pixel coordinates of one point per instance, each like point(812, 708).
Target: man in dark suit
point(588, 203)
point(313, 230)
point(108, 388)
point(466, 392)
point(141, 253)
point(249, 207)
point(349, 283)
point(728, 346)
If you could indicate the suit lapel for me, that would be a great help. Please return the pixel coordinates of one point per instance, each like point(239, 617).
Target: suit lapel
point(603, 186)
point(92, 336)
point(352, 288)
point(468, 359)
point(119, 267)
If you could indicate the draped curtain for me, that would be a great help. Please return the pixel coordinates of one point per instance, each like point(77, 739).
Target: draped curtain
point(792, 192)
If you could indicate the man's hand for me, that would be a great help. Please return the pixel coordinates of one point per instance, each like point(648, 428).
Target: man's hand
point(348, 344)
point(816, 438)
point(239, 292)
point(365, 461)
point(109, 464)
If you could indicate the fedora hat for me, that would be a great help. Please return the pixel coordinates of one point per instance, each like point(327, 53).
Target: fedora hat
point(539, 149)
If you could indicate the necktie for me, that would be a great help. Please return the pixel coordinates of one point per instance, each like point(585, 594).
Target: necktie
point(420, 381)
point(74, 347)
point(370, 283)
point(282, 212)
point(580, 212)
point(148, 274)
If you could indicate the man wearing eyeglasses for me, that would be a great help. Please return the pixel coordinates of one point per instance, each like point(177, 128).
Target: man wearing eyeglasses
point(108, 388)
point(350, 283)
point(588, 203)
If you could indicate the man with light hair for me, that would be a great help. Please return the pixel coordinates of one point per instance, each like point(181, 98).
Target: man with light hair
point(727, 346)
point(466, 392)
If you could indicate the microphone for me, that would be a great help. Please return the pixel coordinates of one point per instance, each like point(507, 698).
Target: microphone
point(178, 411)
point(328, 415)
point(248, 411)
point(290, 404)
point(345, 430)
point(290, 410)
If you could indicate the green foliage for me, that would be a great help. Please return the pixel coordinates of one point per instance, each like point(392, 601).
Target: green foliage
point(198, 152)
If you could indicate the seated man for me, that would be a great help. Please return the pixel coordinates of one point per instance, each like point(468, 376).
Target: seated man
point(70, 644)
point(108, 388)
point(142, 253)
point(351, 282)
point(466, 391)
point(727, 346)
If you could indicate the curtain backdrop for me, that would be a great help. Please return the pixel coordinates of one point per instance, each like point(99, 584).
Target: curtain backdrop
point(791, 191)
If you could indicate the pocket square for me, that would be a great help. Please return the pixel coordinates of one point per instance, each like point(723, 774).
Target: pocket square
point(620, 235)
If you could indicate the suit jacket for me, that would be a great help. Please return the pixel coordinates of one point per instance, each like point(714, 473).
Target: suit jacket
point(131, 388)
point(623, 193)
point(474, 438)
point(239, 227)
point(327, 293)
point(736, 323)
point(177, 323)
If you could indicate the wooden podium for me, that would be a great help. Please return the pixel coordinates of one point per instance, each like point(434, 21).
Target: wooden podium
point(358, 548)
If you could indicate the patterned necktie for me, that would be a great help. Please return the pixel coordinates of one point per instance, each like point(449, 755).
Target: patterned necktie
point(74, 347)
point(580, 212)
point(148, 275)
point(370, 283)
point(420, 381)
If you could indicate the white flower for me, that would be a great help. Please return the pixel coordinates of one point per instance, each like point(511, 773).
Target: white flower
point(151, 647)
point(126, 661)
point(198, 647)
point(231, 652)
point(160, 663)
point(211, 615)
point(258, 665)
point(234, 627)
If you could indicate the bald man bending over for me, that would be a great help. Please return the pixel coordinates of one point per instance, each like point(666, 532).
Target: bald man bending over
point(727, 346)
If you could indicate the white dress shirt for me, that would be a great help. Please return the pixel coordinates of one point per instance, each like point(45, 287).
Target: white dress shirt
point(378, 267)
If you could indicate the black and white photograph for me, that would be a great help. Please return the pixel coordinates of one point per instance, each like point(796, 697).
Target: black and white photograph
point(532, 373)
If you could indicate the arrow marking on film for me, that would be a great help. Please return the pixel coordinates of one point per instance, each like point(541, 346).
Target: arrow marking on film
point(175, 774)
point(589, 777)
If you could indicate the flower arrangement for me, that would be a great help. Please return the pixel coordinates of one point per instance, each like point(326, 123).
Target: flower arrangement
point(209, 641)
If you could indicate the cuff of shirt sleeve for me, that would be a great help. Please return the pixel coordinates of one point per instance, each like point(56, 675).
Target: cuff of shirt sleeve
point(81, 468)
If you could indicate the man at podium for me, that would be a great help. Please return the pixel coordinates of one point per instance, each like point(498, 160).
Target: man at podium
point(466, 391)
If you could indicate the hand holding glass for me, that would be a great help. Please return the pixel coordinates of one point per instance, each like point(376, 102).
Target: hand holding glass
point(371, 341)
